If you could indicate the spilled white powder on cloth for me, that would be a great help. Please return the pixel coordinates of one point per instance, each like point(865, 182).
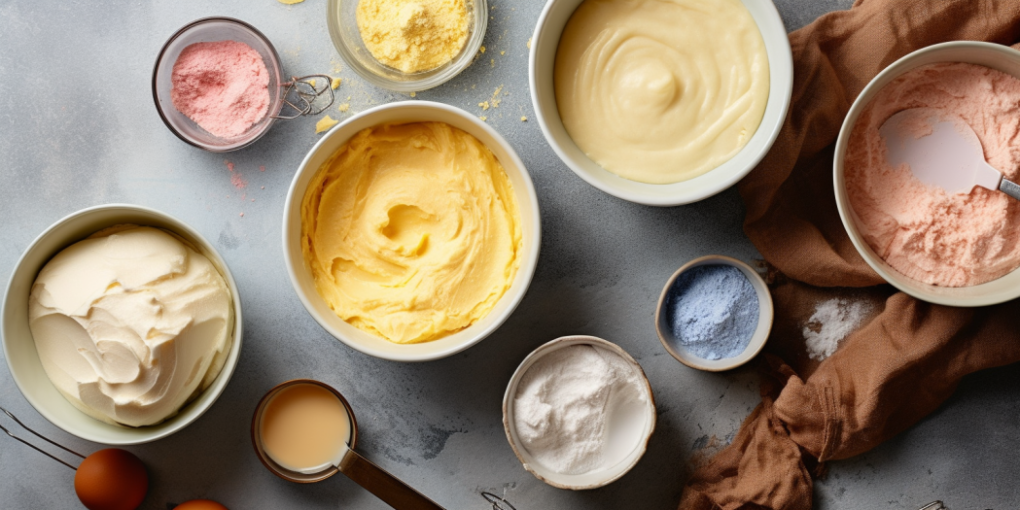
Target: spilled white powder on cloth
point(833, 320)
point(579, 409)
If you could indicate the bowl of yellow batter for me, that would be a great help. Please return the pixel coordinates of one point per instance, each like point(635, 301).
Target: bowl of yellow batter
point(411, 231)
point(661, 102)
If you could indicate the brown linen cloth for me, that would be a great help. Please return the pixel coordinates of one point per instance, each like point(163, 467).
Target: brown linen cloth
point(909, 358)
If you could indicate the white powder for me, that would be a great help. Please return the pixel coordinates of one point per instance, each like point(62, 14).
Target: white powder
point(832, 321)
point(579, 409)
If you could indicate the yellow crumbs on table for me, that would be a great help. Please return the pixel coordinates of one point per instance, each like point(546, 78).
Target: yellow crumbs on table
point(344, 107)
point(325, 123)
point(290, 2)
point(335, 83)
point(495, 100)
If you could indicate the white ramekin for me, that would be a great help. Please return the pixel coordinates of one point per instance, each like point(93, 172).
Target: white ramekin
point(19, 346)
point(543, 95)
point(758, 338)
point(596, 478)
point(300, 273)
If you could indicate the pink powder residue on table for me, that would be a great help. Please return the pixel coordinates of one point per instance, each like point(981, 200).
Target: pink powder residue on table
point(223, 86)
point(921, 231)
point(235, 177)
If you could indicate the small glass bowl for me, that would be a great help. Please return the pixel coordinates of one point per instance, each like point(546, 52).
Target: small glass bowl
point(343, 30)
point(211, 30)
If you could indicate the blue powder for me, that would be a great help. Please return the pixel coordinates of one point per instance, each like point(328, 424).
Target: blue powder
point(713, 311)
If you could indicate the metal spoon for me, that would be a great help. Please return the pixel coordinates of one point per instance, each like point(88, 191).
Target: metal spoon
point(942, 150)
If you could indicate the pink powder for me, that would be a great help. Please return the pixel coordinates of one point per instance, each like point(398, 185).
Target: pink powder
point(924, 233)
point(223, 86)
point(235, 177)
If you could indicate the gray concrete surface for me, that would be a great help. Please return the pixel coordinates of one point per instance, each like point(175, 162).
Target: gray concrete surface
point(78, 128)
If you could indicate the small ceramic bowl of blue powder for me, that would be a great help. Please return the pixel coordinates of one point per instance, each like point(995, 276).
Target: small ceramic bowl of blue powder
point(715, 314)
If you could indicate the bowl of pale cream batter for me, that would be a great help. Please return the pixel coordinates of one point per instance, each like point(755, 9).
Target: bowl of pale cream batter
point(660, 103)
point(957, 250)
point(186, 309)
point(411, 231)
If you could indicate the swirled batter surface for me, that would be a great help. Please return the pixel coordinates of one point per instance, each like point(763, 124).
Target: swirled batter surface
point(411, 231)
point(661, 91)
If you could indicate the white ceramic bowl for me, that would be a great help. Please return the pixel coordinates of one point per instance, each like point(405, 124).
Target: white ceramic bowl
point(19, 346)
point(758, 338)
point(995, 56)
point(585, 481)
point(543, 95)
point(300, 273)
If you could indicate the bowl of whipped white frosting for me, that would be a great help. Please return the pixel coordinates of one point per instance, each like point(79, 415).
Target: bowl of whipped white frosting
point(121, 324)
point(657, 102)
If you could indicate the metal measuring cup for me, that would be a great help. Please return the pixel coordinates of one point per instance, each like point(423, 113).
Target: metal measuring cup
point(376, 480)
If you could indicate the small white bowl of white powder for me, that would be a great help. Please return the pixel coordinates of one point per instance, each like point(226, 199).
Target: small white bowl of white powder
point(579, 412)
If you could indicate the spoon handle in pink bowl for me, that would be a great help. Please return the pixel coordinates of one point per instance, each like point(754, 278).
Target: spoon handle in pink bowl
point(1010, 188)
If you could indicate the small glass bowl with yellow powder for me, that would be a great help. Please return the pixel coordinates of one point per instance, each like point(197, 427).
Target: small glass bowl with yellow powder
point(407, 45)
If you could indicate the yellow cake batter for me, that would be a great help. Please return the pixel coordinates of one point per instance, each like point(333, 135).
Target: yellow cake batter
point(413, 36)
point(411, 231)
point(661, 91)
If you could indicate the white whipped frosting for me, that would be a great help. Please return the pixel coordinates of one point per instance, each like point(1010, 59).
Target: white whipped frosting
point(131, 324)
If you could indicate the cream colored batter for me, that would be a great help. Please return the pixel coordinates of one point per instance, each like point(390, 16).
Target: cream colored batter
point(661, 91)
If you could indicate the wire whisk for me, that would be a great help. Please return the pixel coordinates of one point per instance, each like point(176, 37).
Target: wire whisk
point(498, 503)
point(302, 94)
point(40, 436)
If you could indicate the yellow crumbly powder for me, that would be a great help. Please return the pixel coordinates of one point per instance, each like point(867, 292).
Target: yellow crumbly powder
point(324, 124)
point(413, 36)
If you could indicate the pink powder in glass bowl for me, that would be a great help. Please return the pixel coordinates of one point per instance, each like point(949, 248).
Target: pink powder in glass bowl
point(222, 86)
point(921, 231)
point(217, 84)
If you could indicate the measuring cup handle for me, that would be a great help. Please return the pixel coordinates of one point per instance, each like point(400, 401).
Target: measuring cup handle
point(385, 486)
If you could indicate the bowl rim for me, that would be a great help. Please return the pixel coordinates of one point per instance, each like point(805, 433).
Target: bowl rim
point(478, 12)
point(510, 427)
point(277, 64)
point(529, 261)
point(916, 289)
point(217, 387)
point(780, 70)
point(758, 339)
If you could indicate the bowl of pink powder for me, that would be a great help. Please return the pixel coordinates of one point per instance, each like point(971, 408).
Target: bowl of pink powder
point(957, 249)
point(216, 84)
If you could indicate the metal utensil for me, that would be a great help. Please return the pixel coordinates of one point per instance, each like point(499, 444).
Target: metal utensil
point(942, 150)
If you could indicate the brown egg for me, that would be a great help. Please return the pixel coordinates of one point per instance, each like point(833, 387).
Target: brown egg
point(111, 479)
point(200, 504)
